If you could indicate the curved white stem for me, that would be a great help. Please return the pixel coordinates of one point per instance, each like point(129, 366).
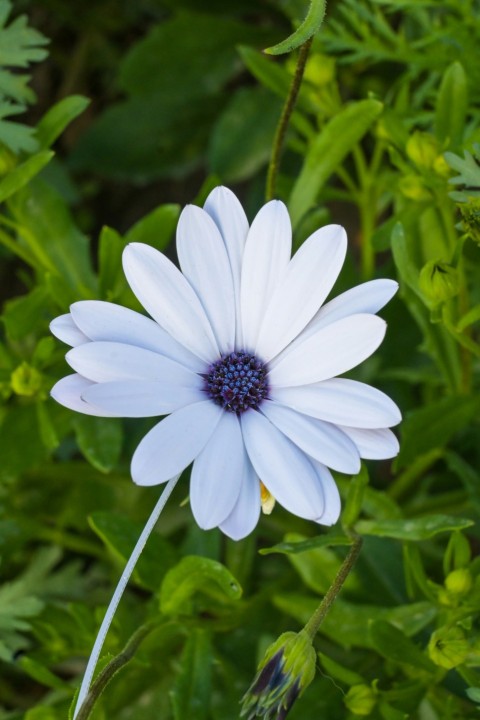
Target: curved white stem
point(119, 590)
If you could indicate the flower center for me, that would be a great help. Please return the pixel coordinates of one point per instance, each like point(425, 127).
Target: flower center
point(237, 381)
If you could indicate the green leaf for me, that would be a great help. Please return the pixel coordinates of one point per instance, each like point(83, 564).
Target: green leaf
point(191, 693)
point(41, 674)
point(19, 44)
point(120, 536)
point(451, 106)
point(339, 136)
point(23, 173)
point(348, 623)
point(58, 117)
point(242, 138)
point(304, 32)
point(100, 440)
point(356, 493)
point(45, 224)
point(27, 314)
point(191, 575)
point(339, 672)
point(469, 170)
point(156, 228)
point(394, 645)
point(111, 279)
point(288, 548)
point(435, 425)
point(317, 567)
point(421, 528)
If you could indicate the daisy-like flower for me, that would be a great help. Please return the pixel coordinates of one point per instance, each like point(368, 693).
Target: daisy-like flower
point(242, 355)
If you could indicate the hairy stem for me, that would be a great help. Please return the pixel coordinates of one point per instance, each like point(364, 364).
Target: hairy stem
point(112, 668)
point(282, 126)
point(318, 616)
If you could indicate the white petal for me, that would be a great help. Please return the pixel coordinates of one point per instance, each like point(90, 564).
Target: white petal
point(321, 440)
point(101, 320)
point(310, 276)
point(266, 258)
point(341, 401)
point(174, 443)
point(333, 350)
point(64, 328)
point(141, 398)
point(379, 444)
point(68, 392)
point(369, 297)
point(284, 469)
point(244, 516)
point(204, 262)
point(229, 216)
point(109, 361)
point(333, 504)
point(217, 473)
point(169, 299)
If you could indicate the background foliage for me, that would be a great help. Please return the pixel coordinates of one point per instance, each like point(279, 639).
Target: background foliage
point(385, 139)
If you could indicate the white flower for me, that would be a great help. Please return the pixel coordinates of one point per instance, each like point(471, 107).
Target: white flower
point(242, 356)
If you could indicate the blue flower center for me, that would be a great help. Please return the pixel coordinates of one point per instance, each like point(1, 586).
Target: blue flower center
point(237, 381)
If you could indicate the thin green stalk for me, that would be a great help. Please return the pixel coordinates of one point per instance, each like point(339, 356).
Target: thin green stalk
point(112, 668)
point(318, 616)
point(283, 123)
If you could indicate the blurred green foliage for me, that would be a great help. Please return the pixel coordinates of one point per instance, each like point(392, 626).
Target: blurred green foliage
point(384, 139)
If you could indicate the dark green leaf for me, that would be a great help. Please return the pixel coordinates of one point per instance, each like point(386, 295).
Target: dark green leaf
point(451, 106)
point(289, 548)
point(156, 228)
point(435, 425)
point(421, 528)
point(23, 173)
point(242, 138)
point(393, 644)
point(100, 440)
point(191, 694)
point(120, 536)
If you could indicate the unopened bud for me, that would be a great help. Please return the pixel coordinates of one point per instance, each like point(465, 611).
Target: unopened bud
point(286, 670)
point(448, 647)
point(422, 149)
point(360, 699)
point(439, 281)
point(459, 582)
point(26, 380)
point(413, 187)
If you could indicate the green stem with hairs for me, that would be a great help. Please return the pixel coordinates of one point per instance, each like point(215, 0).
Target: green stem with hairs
point(283, 123)
point(118, 662)
point(346, 567)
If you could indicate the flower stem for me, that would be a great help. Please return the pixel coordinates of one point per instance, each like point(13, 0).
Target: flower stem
point(119, 590)
point(318, 616)
point(112, 668)
point(285, 119)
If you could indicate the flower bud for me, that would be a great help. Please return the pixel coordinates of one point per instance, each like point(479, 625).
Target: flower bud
point(459, 582)
point(448, 647)
point(26, 380)
point(422, 149)
point(286, 670)
point(439, 281)
point(413, 187)
point(360, 699)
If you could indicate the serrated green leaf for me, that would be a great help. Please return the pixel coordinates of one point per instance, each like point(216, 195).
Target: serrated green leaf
point(339, 136)
point(23, 173)
point(394, 645)
point(413, 529)
point(191, 575)
point(58, 117)
point(191, 692)
point(304, 32)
